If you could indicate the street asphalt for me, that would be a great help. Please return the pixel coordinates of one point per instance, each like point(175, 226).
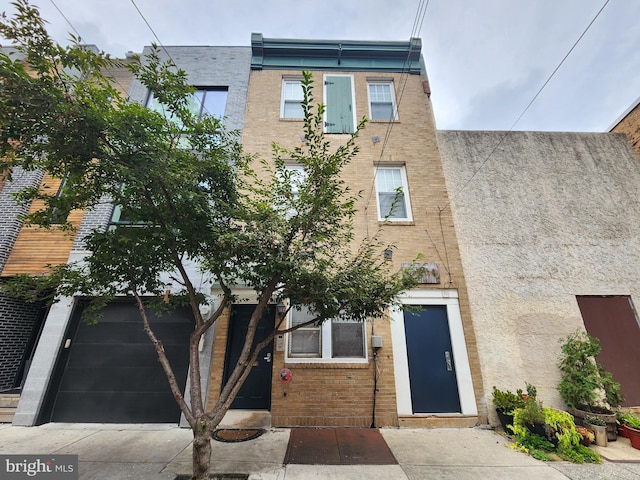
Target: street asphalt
point(147, 452)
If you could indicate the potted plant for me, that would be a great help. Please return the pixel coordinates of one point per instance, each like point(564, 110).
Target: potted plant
point(599, 428)
point(531, 414)
point(586, 387)
point(561, 435)
point(505, 402)
point(631, 425)
point(588, 437)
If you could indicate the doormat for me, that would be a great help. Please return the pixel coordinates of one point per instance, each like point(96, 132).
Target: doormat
point(338, 446)
point(232, 435)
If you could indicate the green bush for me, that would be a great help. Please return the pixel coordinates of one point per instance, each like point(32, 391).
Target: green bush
point(506, 400)
point(585, 383)
point(559, 425)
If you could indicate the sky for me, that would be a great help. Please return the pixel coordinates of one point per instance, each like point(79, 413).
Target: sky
point(486, 60)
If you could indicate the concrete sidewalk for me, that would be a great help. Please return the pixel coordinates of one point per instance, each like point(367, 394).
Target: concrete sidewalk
point(149, 452)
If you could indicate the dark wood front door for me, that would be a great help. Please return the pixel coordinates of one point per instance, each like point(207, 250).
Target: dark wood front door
point(432, 373)
point(255, 393)
point(612, 320)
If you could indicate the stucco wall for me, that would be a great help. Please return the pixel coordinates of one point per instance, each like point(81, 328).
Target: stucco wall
point(547, 216)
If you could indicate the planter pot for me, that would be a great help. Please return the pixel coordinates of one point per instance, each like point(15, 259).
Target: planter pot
point(542, 430)
point(600, 433)
point(634, 436)
point(609, 418)
point(505, 420)
point(585, 440)
point(622, 431)
point(537, 428)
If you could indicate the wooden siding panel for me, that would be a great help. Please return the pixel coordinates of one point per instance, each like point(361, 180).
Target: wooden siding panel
point(37, 247)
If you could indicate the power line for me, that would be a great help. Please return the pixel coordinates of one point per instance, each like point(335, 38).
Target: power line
point(152, 31)
point(415, 30)
point(124, 90)
point(526, 108)
point(66, 19)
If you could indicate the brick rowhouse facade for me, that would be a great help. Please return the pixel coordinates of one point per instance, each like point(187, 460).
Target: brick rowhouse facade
point(336, 392)
point(629, 124)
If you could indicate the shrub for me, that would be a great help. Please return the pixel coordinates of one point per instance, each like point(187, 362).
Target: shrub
point(585, 383)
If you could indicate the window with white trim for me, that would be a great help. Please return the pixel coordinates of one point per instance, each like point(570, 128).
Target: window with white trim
point(292, 97)
point(382, 102)
point(297, 176)
point(393, 194)
point(332, 340)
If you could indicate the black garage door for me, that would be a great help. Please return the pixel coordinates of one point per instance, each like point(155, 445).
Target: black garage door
point(109, 372)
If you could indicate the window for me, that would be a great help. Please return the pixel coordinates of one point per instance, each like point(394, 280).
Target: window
point(292, 97)
point(120, 217)
point(295, 176)
point(382, 105)
point(58, 214)
point(393, 194)
point(334, 339)
point(204, 100)
point(341, 108)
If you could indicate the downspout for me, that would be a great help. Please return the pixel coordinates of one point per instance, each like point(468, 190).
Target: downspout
point(375, 378)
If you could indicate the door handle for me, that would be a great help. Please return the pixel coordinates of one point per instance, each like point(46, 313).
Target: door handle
point(447, 357)
point(268, 357)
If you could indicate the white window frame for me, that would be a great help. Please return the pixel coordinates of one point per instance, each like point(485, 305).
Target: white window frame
point(405, 191)
point(283, 97)
point(394, 107)
point(325, 355)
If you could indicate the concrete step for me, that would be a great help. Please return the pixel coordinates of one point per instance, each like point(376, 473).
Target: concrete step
point(8, 405)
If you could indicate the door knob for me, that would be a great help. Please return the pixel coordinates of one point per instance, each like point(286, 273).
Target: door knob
point(268, 357)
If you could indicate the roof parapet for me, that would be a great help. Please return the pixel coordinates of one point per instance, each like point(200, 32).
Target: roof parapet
point(348, 55)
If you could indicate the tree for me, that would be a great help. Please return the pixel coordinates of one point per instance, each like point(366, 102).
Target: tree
point(192, 197)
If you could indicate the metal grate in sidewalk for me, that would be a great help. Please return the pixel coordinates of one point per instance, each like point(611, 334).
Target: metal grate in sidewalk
point(338, 446)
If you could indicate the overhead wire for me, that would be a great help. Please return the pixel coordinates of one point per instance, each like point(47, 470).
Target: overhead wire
point(482, 164)
point(80, 39)
point(415, 30)
point(66, 19)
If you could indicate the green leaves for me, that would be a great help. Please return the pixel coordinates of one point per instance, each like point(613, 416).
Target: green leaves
point(585, 383)
point(184, 184)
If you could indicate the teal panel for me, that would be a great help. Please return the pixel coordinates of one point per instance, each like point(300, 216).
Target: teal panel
point(339, 101)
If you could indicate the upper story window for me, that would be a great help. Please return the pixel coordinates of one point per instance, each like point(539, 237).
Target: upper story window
point(59, 215)
point(297, 176)
point(211, 100)
point(393, 194)
point(335, 339)
point(382, 103)
point(120, 217)
point(292, 97)
point(340, 116)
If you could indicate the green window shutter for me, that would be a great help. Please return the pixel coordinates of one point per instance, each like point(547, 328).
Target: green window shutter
point(339, 100)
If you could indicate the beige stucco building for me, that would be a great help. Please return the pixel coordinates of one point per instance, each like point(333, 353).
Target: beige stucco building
point(550, 243)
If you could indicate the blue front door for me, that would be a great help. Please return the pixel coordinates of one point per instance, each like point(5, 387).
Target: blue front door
point(432, 373)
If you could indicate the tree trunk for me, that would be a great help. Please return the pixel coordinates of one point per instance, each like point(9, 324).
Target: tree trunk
point(201, 454)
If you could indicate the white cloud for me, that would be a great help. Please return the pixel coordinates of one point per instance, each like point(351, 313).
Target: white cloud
point(485, 59)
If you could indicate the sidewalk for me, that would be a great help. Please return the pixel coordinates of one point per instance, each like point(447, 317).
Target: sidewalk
point(151, 452)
